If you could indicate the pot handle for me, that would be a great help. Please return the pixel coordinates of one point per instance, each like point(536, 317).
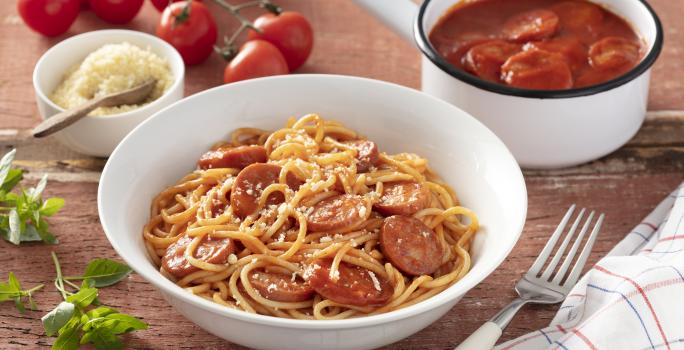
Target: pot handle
point(398, 15)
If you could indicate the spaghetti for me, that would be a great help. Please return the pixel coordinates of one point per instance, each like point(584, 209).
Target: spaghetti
point(310, 222)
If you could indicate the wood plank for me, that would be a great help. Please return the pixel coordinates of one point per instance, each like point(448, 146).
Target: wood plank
point(625, 200)
point(656, 148)
point(369, 50)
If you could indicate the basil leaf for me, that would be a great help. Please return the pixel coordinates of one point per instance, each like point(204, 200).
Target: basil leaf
point(14, 227)
point(105, 272)
point(19, 304)
point(68, 336)
point(45, 235)
point(37, 192)
point(7, 292)
point(95, 317)
point(6, 164)
point(105, 340)
point(12, 291)
point(15, 287)
point(122, 323)
point(85, 295)
point(101, 312)
point(31, 234)
point(12, 179)
point(13, 282)
point(57, 318)
point(51, 206)
point(87, 338)
point(32, 303)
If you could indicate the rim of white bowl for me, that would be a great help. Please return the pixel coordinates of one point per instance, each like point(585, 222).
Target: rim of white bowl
point(459, 288)
point(172, 61)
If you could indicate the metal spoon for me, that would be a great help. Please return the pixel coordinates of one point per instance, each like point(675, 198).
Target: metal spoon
point(66, 118)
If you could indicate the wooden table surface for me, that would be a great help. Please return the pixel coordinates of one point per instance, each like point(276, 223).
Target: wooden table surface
point(626, 184)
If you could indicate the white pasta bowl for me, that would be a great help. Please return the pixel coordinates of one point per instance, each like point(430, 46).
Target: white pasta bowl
point(463, 151)
point(99, 135)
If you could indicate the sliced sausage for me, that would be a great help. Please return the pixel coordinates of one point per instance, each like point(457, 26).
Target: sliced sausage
point(233, 157)
point(403, 198)
point(367, 154)
point(211, 250)
point(579, 17)
point(531, 25)
point(485, 59)
point(251, 182)
point(355, 285)
point(572, 49)
point(410, 245)
point(613, 53)
point(454, 49)
point(280, 287)
point(341, 213)
point(537, 69)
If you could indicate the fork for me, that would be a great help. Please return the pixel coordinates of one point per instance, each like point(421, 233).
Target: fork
point(542, 287)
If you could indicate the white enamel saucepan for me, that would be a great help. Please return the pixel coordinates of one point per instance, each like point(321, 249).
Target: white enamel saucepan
point(543, 129)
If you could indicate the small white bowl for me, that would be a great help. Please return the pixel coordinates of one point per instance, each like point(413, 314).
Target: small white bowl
point(98, 136)
point(464, 152)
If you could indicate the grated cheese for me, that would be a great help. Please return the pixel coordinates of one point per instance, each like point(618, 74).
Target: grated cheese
point(109, 69)
point(376, 283)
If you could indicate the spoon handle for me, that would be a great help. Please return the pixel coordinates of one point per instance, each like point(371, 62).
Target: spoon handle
point(66, 118)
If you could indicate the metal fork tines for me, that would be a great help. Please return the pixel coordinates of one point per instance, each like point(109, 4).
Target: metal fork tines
point(546, 282)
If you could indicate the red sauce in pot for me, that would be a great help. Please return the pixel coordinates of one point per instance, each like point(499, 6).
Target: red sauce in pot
point(537, 44)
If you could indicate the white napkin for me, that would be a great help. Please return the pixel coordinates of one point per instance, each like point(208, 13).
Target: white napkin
point(631, 299)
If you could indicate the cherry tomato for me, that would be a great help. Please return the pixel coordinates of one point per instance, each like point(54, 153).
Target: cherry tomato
point(290, 32)
point(116, 11)
point(161, 4)
point(257, 58)
point(49, 17)
point(190, 28)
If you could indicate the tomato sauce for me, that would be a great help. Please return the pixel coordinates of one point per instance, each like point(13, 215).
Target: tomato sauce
point(537, 44)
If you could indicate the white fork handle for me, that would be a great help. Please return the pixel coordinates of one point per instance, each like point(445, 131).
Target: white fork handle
point(484, 338)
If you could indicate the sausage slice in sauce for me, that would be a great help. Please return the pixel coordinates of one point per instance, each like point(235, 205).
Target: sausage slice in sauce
point(251, 182)
point(355, 285)
point(280, 287)
point(572, 49)
point(403, 198)
point(531, 25)
point(579, 17)
point(613, 53)
point(537, 69)
point(485, 59)
point(410, 245)
point(211, 250)
point(367, 154)
point(233, 157)
point(340, 213)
